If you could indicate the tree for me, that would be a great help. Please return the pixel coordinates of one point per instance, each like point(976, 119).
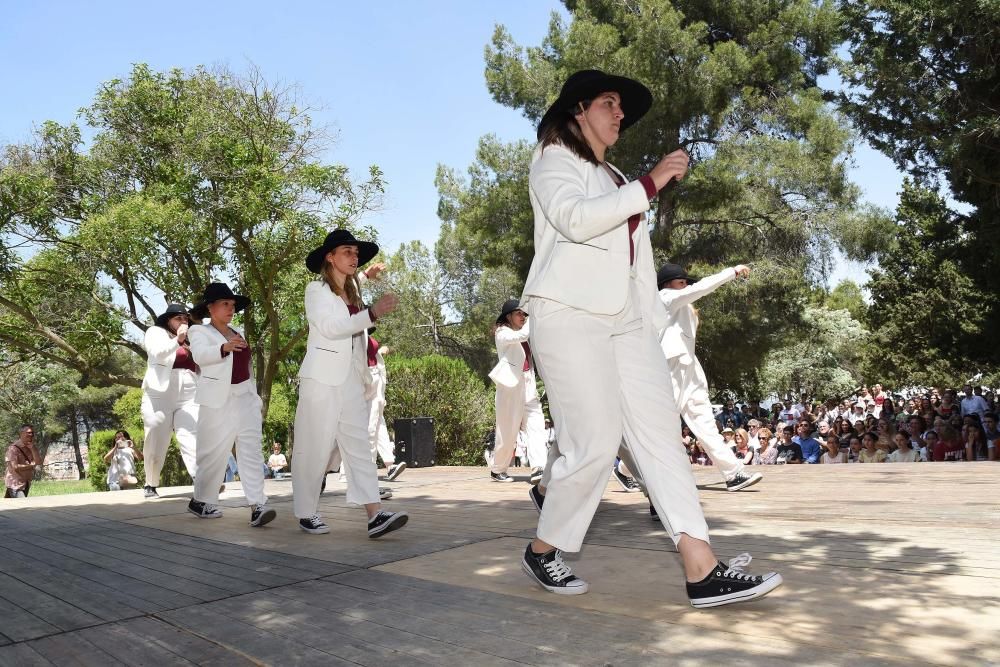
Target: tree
point(822, 358)
point(51, 399)
point(847, 295)
point(923, 86)
point(927, 315)
point(189, 177)
point(735, 84)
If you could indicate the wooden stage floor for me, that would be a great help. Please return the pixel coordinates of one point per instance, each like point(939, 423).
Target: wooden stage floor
point(886, 564)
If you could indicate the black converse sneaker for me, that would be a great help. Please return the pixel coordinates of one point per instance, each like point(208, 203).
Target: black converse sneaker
point(729, 584)
point(386, 522)
point(260, 515)
point(551, 573)
point(314, 525)
point(149, 492)
point(395, 470)
point(204, 510)
point(628, 484)
point(536, 475)
point(501, 477)
point(742, 480)
point(537, 499)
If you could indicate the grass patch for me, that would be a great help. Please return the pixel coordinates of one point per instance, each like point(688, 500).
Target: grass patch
point(53, 487)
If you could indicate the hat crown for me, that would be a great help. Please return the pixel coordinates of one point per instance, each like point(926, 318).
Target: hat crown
point(216, 291)
point(670, 272)
point(338, 237)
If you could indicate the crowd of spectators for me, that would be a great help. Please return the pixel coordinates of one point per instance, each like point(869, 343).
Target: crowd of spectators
point(872, 426)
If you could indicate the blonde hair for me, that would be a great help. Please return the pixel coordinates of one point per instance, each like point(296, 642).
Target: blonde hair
point(352, 288)
point(764, 437)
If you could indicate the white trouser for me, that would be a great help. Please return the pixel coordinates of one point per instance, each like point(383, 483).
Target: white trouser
point(164, 413)
point(239, 421)
point(606, 377)
point(691, 393)
point(378, 434)
point(518, 409)
point(328, 418)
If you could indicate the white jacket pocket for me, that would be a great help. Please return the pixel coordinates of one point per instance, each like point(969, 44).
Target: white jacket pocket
point(503, 374)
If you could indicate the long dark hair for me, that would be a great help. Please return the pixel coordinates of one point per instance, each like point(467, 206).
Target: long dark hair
point(563, 130)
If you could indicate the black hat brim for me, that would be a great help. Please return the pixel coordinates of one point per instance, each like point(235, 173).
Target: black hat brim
point(366, 252)
point(636, 99)
point(161, 320)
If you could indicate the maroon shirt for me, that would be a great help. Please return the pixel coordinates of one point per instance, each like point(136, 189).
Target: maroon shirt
point(633, 221)
point(372, 352)
point(241, 365)
point(183, 359)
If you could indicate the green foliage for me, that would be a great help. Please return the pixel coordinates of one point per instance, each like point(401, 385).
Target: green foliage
point(188, 177)
point(822, 357)
point(59, 487)
point(487, 220)
point(847, 295)
point(928, 317)
point(924, 89)
point(447, 390)
point(734, 84)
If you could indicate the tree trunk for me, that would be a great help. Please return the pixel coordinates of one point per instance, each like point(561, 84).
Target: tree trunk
point(75, 435)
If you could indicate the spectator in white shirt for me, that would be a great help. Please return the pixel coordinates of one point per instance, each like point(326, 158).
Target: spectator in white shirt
point(973, 403)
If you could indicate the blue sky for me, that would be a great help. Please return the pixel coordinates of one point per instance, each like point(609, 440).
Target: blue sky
point(401, 82)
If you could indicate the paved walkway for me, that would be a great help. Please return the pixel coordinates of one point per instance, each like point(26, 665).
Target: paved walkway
point(888, 564)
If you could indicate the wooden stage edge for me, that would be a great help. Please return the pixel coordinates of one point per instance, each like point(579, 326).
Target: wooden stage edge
point(883, 564)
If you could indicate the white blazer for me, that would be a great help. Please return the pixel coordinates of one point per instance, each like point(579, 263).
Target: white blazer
point(678, 337)
point(507, 372)
point(215, 375)
point(338, 341)
point(581, 237)
point(161, 349)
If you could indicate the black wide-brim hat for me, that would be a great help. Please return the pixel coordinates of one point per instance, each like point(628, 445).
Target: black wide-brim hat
point(670, 272)
point(338, 237)
point(216, 292)
point(588, 84)
point(509, 306)
point(172, 310)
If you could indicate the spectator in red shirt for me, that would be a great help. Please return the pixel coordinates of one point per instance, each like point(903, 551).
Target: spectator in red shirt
point(949, 447)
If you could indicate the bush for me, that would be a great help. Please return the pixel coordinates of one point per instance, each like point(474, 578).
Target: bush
point(447, 390)
point(128, 410)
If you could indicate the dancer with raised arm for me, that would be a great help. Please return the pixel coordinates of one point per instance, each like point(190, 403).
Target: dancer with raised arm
point(677, 292)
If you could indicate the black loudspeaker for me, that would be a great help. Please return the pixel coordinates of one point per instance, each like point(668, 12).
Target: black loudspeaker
point(415, 441)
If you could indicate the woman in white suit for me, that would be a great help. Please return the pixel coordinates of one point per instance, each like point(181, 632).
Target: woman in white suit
point(168, 388)
point(229, 409)
point(678, 291)
point(517, 405)
point(334, 385)
point(378, 433)
point(591, 293)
